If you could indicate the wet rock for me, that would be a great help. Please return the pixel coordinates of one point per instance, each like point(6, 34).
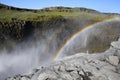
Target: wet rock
point(113, 60)
point(116, 44)
point(118, 69)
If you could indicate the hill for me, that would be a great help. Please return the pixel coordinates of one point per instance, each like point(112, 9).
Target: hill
point(9, 13)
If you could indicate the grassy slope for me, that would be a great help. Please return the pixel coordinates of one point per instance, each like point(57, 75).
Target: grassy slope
point(8, 15)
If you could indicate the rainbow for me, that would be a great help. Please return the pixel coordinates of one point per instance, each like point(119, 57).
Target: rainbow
point(49, 41)
point(59, 52)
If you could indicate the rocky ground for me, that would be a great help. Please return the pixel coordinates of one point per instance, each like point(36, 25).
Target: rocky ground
point(82, 66)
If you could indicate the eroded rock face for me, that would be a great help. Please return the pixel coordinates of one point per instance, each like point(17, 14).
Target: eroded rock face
point(82, 66)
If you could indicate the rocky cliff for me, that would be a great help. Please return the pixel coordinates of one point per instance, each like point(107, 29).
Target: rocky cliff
point(20, 31)
point(82, 66)
point(14, 32)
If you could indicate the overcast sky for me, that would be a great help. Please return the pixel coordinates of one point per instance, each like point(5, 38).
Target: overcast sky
point(100, 5)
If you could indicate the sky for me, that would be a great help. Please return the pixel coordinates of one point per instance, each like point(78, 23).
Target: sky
point(112, 6)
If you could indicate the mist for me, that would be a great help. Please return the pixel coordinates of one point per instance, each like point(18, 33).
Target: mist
point(41, 48)
point(98, 35)
point(27, 55)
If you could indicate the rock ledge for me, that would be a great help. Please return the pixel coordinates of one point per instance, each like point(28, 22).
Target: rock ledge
point(82, 66)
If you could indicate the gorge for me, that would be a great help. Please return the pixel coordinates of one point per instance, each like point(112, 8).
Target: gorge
point(32, 38)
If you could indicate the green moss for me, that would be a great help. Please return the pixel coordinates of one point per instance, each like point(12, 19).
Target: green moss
point(98, 48)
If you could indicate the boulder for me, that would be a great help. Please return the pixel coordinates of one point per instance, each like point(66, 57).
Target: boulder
point(113, 60)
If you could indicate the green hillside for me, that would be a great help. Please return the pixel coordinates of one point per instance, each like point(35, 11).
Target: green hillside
point(9, 14)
